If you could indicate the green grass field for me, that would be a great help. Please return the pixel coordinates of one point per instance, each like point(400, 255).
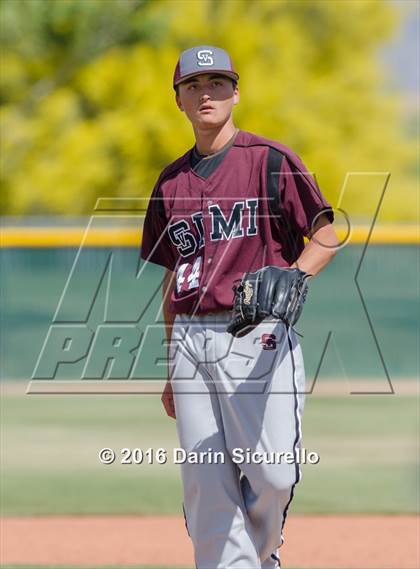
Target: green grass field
point(367, 445)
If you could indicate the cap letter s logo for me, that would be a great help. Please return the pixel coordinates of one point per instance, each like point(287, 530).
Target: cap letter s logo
point(204, 57)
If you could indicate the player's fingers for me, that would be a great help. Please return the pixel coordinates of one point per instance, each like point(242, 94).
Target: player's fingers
point(168, 403)
point(171, 412)
point(172, 406)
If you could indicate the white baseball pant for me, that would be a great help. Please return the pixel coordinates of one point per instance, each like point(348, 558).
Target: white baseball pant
point(237, 393)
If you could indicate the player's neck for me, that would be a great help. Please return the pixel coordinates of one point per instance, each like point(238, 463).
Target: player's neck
point(209, 141)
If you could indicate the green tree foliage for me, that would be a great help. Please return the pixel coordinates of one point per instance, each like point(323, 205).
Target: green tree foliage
point(87, 106)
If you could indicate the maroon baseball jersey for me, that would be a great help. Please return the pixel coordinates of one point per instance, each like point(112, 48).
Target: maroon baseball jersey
point(211, 223)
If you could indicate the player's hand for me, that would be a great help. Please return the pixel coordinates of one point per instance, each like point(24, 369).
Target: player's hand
point(168, 400)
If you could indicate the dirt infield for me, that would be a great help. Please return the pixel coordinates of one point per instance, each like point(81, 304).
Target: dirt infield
point(322, 542)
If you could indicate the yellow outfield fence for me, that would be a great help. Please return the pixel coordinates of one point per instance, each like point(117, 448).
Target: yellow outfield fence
point(25, 236)
point(70, 237)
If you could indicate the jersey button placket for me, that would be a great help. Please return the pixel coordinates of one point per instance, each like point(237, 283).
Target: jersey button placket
point(207, 245)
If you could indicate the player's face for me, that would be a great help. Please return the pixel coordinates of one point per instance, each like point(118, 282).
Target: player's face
point(207, 100)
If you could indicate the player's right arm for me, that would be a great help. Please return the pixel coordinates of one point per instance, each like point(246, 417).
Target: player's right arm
point(156, 248)
point(168, 286)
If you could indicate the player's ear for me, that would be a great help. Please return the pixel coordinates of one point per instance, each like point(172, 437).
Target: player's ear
point(236, 95)
point(178, 102)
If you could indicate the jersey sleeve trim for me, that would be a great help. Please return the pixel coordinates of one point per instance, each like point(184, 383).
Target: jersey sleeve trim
point(278, 156)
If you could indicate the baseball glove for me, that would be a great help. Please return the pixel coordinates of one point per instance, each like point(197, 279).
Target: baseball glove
point(270, 291)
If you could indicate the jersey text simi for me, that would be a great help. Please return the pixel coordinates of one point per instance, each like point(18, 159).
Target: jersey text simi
point(187, 243)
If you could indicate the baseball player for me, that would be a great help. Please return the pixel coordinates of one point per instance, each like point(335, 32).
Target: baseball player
point(227, 220)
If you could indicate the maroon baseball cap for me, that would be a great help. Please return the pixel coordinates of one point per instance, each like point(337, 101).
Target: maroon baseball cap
point(203, 59)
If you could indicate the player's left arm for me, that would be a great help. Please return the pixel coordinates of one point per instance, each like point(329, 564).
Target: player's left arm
point(320, 249)
point(167, 398)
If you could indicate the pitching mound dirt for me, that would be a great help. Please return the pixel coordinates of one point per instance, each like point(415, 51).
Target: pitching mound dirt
point(321, 542)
